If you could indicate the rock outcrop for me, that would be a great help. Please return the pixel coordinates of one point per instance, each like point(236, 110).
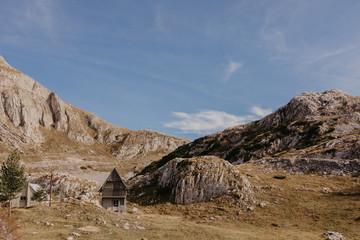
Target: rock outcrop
point(27, 109)
point(333, 236)
point(185, 181)
point(311, 165)
point(312, 125)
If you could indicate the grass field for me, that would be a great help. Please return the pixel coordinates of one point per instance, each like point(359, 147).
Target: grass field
point(296, 208)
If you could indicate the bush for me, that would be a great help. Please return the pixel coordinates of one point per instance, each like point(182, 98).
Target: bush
point(355, 175)
point(331, 151)
point(300, 123)
point(279, 177)
point(184, 163)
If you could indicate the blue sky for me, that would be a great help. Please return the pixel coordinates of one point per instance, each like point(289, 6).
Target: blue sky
point(186, 68)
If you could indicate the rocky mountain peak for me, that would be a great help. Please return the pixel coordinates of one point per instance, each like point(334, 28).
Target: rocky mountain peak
point(29, 112)
point(3, 63)
point(310, 105)
point(323, 125)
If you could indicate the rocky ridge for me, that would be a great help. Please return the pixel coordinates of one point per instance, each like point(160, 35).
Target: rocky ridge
point(312, 165)
point(322, 125)
point(27, 110)
point(185, 181)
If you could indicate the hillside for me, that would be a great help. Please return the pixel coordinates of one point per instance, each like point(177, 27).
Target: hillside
point(35, 120)
point(312, 125)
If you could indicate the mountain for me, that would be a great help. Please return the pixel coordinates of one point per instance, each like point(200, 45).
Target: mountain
point(35, 120)
point(322, 125)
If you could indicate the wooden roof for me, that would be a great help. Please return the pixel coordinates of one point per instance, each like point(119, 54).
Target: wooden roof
point(113, 177)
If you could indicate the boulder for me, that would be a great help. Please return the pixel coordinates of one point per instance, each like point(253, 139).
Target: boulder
point(199, 179)
point(333, 236)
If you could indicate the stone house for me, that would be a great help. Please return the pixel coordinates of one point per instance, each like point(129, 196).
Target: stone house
point(114, 193)
point(24, 198)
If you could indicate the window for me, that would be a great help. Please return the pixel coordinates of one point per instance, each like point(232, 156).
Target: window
point(23, 198)
point(116, 186)
point(116, 202)
point(122, 201)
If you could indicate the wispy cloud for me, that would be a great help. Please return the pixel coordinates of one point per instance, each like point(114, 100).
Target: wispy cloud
point(32, 20)
point(275, 39)
point(207, 121)
point(37, 14)
point(335, 52)
point(159, 22)
point(231, 68)
point(261, 112)
point(291, 33)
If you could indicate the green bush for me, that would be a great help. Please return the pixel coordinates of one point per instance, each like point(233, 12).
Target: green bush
point(355, 175)
point(184, 163)
point(279, 177)
point(331, 151)
point(300, 123)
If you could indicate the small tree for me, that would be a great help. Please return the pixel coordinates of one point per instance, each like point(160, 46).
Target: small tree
point(12, 178)
point(39, 195)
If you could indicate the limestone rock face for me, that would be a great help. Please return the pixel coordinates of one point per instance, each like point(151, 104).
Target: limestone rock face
point(199, 179)
point(59, 113)
point(27, 109)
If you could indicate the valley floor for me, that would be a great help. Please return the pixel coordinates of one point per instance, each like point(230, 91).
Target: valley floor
point(295, 207)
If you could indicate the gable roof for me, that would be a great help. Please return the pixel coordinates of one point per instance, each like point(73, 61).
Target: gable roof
point(35, 187)
point(108, 178)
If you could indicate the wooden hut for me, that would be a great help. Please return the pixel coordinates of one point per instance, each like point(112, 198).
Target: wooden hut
point(114, 193)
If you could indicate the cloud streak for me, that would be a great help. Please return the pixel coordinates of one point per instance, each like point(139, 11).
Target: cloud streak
point(261, 112)
point(336, 52)
point(207, 121)
point(231, 68)
point(159, 22)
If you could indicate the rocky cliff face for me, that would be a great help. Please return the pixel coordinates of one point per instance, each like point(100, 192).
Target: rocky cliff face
point(185, 181)
point(29, 110)
point(312, 125)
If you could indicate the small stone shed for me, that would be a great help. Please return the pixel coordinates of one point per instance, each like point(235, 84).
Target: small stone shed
point(114, 193)
point(24, 198)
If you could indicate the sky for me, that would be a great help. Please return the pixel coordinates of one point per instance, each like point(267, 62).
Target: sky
point(185, 68)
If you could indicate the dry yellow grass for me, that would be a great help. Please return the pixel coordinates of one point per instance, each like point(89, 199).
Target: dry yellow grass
point(296, 208)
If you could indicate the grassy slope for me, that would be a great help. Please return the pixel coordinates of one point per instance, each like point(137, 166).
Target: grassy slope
point(296, 209)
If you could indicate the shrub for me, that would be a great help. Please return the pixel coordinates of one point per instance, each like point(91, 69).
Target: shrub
point(331, 151)
point(300, 123)
point(330, 130)
point(355, 175)
point(184, 163)
point(279, 177)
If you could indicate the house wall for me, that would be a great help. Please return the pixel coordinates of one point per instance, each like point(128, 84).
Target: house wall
point(28, 193)
point(17, 202)
point(109, 185)
point(107, 203)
